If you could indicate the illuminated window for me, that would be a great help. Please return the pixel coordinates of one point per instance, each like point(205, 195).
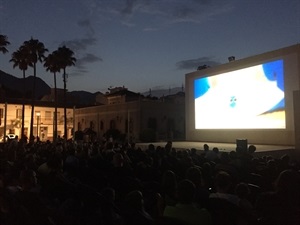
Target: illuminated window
point(1, 113)
point(47, 115)
point(19, 113)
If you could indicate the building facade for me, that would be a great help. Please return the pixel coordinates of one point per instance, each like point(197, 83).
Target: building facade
point(134, 116)
point(11, 120)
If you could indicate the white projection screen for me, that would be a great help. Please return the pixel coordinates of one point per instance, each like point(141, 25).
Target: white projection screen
point(249, 98)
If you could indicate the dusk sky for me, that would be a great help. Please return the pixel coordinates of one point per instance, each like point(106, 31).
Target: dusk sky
point(143, 44)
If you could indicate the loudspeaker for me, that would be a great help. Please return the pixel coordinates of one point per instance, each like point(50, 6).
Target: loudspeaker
point(242, 143)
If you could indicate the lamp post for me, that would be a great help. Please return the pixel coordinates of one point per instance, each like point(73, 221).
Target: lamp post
point(38, 114)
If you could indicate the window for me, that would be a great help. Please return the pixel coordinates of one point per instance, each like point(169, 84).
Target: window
point(60, 120)
point(1, 115)
point(47, 115)
point(19, 113)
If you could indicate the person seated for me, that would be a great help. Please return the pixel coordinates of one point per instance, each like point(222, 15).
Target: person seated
point(201, 194)
point(29, 198)
point(185, 211)
point(281, 206)
point(223, 205)
point(168, 188)
point(212, 155)
point(134, 211)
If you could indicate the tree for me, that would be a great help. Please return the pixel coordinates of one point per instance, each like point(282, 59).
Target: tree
point(3, 43)
point(52, 64)
point(66, 58)
point(36, 51)
point(20, 58)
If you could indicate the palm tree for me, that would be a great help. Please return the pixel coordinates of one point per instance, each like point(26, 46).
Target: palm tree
point(36, 51)
point(3, 43)
point(52, 65)
point(20, 58)
point(66, 58)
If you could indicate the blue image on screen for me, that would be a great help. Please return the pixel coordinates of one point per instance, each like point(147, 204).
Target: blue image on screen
point(250, 97)
point(201, 86)
point(274, 72)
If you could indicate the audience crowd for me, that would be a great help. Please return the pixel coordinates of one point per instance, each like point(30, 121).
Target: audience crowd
point(78, 183)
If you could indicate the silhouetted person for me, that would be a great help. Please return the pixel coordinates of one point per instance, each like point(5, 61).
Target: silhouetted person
point(201, 194)
point(185, 211)
point(282, 206)
point(30, 199)
point(135, 213)
point(169, 187)
point(223, 205)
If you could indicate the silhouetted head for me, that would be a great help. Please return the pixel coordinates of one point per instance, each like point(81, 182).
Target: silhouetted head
point(109, 194)
point(224, 157)
point(288, 183)
point(194, 174)
point(28, 179)
point(118, 160)
point(168, 147)
point(135, 200)
point(206, 169)
point(251, 149)
point(285, 159)
point(169, 182)
point(216, 150)
point(206, 147)
point(186, 191)
point(151, 147)
point(223, 182)
point(193, 151)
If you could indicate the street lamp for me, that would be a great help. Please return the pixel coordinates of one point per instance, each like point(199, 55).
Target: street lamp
point(38, 114)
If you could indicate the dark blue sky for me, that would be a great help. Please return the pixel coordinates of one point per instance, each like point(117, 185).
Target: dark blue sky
point(144, 44)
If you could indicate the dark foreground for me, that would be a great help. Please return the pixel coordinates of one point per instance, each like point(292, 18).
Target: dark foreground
point(109, 183)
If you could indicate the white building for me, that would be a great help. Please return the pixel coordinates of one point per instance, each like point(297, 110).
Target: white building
point(11, 119)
